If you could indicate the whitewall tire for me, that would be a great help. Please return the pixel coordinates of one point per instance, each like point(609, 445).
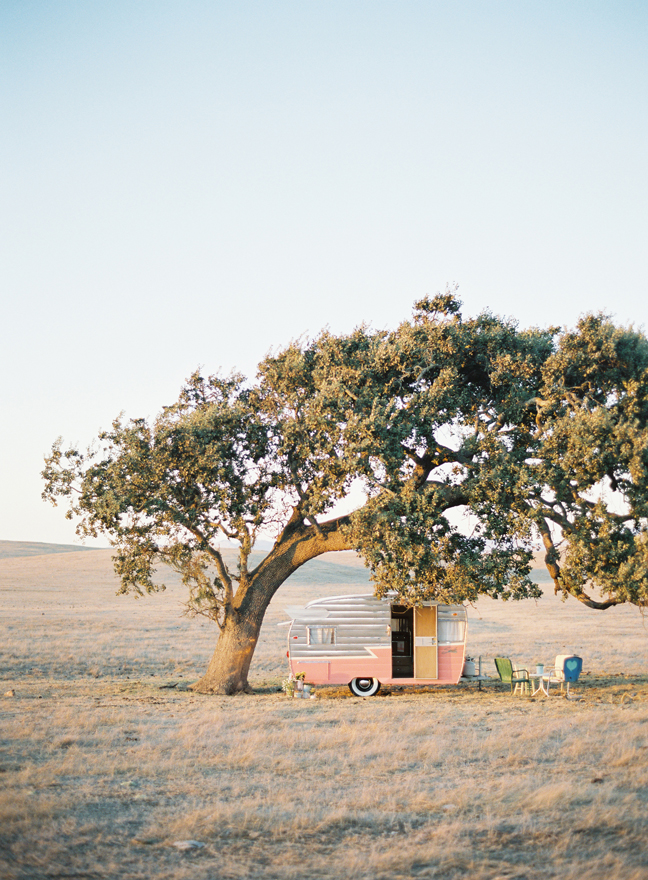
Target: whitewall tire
point(364, 687)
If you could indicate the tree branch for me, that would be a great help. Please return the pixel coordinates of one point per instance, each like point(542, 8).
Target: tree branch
point(552, 562)
point(221, 568)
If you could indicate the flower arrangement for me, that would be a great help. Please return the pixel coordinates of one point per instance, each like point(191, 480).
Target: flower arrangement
point(288, 685)
point(294, 683)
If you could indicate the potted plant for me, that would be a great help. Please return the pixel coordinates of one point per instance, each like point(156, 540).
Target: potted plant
point(300, 680)
point(539, 668)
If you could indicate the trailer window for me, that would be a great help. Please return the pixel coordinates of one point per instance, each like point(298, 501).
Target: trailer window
point(451, 631)
point(321, 635)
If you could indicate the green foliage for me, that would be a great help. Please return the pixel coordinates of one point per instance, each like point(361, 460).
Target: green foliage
point(592, 480)
point(527, 435)
point(172, 490)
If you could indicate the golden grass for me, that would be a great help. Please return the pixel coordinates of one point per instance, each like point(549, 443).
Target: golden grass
point(102, 771)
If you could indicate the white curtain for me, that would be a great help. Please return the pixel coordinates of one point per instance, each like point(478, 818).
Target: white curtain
point(451, 631)
point(321, 635)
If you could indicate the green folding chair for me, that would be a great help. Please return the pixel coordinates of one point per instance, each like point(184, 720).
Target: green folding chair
point(517, 678)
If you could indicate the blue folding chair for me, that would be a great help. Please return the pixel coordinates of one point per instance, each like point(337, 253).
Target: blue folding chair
point(566, 670)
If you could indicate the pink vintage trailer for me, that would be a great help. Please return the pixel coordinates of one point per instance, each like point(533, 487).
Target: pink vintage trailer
point(364, 642)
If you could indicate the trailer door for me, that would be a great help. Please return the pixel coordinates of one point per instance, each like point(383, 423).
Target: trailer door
point(425, 642)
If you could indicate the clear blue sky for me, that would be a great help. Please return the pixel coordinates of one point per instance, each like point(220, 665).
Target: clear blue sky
point(197, 183)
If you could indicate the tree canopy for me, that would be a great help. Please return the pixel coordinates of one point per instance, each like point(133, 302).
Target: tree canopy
point(472, 440)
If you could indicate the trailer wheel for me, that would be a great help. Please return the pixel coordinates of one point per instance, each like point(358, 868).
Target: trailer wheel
point(364, 687)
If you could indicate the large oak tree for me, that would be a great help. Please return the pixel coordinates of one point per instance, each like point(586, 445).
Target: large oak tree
point(535, 435)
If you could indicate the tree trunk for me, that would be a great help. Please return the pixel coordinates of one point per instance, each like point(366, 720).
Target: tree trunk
point(229, 666)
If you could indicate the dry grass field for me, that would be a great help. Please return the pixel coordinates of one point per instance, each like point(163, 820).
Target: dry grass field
point(105, 767)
